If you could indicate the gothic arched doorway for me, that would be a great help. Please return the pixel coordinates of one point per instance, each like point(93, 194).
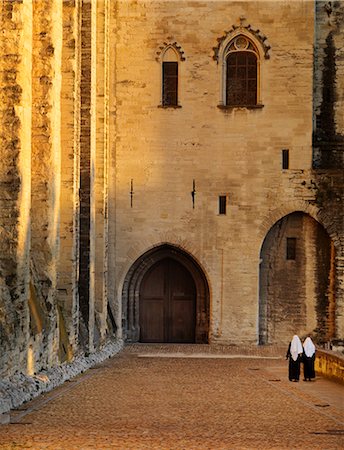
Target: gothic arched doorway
point(165, 298)
point(296, 281)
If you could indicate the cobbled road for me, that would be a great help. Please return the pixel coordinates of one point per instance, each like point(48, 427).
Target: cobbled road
point(183, 397)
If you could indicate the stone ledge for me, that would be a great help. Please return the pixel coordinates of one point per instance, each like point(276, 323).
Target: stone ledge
point(169, 106)
point(330, 365)
point(22, 388)
point(231, 107)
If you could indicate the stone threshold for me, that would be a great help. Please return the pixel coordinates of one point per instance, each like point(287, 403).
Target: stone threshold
point(204, 355)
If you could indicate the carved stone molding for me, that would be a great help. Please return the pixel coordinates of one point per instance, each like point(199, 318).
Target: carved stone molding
point(165, 46)
point(247, 30)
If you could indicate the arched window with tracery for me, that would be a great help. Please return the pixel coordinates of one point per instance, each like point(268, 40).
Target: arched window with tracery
point(241, 72)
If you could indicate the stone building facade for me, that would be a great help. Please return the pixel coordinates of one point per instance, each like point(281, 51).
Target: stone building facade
point(142, 199)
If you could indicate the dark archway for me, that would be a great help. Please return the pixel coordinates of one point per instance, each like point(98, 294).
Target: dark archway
point(139, 272)
point(296, 281)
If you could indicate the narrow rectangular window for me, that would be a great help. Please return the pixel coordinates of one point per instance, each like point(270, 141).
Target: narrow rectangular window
point(285, 159)
point(222, 204)
point(291, 248)
point(170, 83)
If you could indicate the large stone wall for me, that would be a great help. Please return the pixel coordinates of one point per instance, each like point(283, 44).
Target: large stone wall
point(328, 85)
point(54, 171)
point(95, 172)
point(328, 136)
point(15, 135)
point(161, 153)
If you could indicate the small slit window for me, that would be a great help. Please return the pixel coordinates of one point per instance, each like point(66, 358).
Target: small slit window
point(222, 204)
point(285, 159)
point(291, 248)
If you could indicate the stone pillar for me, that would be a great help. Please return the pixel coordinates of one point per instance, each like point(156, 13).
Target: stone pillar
point(99, 237)
point(94, 172)
point(15, 141)
point(114, 294)
point(70, 174)
point(85, 172)
point(45, 166)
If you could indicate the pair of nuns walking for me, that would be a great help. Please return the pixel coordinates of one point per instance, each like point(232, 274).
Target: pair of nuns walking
point(298, 353)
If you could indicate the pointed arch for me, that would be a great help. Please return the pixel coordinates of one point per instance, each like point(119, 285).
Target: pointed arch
point(132, 285)
point(170, 45)
point(240, 52)
point(169, 55)
point(297, 285)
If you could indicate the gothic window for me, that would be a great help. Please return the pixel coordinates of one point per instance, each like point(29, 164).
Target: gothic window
point(241, 66)
point(170, 57)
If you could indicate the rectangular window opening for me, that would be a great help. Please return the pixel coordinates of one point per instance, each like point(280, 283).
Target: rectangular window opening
point(285, 159)
point(291, 248)
point(222, 204)
point(170, 83)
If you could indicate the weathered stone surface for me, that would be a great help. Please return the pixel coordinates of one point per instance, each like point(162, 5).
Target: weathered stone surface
point(21, 388)
point(95, 172)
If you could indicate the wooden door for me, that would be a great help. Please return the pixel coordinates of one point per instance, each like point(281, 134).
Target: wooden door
point(167, 304)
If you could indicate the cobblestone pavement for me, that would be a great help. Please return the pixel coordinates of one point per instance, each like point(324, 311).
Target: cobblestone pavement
point(183, 397)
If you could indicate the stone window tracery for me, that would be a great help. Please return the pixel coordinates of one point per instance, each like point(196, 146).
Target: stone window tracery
point(240, 54)
point(240, 73)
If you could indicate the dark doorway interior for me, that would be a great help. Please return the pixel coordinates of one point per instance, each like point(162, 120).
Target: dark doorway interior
point(297, 278)
point(167, 304)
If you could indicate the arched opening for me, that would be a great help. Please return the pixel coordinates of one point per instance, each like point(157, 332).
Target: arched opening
point(241, 72)
point(296, 281)
point(165, 298)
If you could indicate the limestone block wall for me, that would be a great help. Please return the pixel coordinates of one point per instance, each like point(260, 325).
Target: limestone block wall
point(163, 153)
point(328, 136)
point(294, 292)
point(15, 135)
point(95, 172)
point(67, 283)
point(45, 178)
point(330, 365)
point(328, 84)
point(104, 325)
point(53, 183)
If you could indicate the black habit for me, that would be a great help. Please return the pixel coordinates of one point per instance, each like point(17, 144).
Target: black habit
point(308, 367)
point(294, 366)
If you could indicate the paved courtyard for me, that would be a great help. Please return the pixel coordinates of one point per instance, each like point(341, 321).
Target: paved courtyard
point(183, 397)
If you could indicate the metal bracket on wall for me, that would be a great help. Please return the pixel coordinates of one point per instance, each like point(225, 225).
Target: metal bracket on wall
point(131, 192)
point(193, 193)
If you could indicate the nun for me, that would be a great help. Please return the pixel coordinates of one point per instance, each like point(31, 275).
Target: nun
point(308, 359)
point(294, 354)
